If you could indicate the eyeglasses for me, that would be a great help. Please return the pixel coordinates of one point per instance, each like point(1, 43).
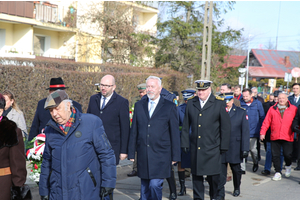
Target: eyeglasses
point(106, 86)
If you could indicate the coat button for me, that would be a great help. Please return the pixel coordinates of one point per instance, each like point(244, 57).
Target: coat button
point(198, 147)
point(148, 125)
point(100, 112)
point(148, 135)
point(199, 125)
point(148, 145)
point(200, 115)
point(199, 136)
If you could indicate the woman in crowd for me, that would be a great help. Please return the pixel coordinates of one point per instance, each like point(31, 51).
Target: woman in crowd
point(12, 158)
point(13, 112)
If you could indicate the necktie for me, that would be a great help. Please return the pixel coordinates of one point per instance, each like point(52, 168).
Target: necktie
point(103, 103)
point(151, 108)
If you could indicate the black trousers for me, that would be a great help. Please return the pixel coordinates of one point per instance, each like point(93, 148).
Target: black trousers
point(198, 186)
point(236, 174)
point(287, 148)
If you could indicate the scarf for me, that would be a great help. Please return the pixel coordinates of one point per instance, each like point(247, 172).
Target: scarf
point(65, 128)
point(5, 112)
point(281, 109)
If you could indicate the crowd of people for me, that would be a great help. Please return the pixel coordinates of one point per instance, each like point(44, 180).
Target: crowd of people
point(209, 134)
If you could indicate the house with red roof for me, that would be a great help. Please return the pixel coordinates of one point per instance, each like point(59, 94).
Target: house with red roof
point(233, 61)
point(265, 63)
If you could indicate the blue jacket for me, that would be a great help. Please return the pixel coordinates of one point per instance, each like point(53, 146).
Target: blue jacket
point(41, 118)
point(77, 165)
point(256, 116)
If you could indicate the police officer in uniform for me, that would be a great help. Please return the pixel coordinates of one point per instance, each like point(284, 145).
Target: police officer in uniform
point(210, 137)
point(185, 157)
point(239, 145)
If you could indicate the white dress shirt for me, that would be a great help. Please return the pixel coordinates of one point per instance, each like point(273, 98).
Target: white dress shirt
point(202, 103)
point(155, 103)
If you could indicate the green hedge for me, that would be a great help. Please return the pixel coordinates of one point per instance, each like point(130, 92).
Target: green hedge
point(29, 83)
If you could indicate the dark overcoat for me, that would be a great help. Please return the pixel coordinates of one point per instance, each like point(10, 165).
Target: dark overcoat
point(239, 137)
point(155, 139)
point(115, 118)
point(210, 134)
point(42, 117)
point(185, 157)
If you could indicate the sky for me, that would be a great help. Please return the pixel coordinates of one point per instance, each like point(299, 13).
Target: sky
point(260, 20)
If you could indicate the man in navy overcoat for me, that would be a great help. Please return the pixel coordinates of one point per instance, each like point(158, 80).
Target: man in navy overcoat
point(113, 110)
point(155, 137)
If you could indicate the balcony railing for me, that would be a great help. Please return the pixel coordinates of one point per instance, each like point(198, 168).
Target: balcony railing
point(46, 13)
point(18, 8)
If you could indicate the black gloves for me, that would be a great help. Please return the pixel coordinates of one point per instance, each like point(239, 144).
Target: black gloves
point(44, 198)
point(296, 129)
point(185, 150)
point(244, 154)
point(22, 192)
point(106, 191)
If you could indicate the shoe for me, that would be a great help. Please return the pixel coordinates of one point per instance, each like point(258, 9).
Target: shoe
point(277, 177)
point(172, 196)
point(236, 193)
point(182, 184)
point(220, 198)
point(297, 168)
point(288, 170)
point(255, 167)
point(265, 172)
point(228, 178)
point(133, 173)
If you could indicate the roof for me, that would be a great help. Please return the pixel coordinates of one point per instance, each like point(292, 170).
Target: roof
point(274, 63)
point(233, 61)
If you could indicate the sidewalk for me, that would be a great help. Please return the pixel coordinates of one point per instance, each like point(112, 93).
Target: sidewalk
point(254, 185)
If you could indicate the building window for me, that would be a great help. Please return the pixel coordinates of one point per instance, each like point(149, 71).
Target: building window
point(39, 45)
point(2, 39)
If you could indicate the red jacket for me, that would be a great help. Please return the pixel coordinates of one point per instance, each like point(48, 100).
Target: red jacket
point(281, 128)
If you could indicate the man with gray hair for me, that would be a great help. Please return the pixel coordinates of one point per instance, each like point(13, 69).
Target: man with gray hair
point(155, 137)
point(78, 161)
point(280, 119)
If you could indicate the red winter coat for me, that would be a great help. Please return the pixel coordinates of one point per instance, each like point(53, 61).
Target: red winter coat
point(281, 128)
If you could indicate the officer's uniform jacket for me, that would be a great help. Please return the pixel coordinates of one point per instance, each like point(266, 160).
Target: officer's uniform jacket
point(210, 134)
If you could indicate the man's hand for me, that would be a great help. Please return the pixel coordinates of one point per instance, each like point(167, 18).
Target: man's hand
point(173, 162)
point(262, 137)
point(44, 198)
point(185, 150)
point(123, 156)
point(132, 160)
point(106, 191)
point(244, 154)
point(296, 129)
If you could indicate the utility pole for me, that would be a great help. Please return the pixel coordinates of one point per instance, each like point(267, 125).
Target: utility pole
point(206, 48)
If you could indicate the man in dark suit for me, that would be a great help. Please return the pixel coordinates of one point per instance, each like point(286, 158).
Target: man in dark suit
point(295, 100)
point(239, 145)
point(42, 116)
point(210, 124)
point(155, 137)
point(113, 110)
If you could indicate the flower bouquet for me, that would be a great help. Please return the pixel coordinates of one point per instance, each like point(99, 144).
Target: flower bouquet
point(35, 156)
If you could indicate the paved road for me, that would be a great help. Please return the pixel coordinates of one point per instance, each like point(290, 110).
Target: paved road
point(254, 186)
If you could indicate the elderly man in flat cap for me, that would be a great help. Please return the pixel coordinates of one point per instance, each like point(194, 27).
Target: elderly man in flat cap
point(210, 123)
point(78, 161)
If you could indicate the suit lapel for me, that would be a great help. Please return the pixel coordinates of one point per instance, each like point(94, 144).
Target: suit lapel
point(98, 100)
point(111, 100)
point(158, 106)
point(196, 103)
point(209, 103)
point(145, 106)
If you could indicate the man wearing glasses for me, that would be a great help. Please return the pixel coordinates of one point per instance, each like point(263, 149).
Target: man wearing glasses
point(113, 110)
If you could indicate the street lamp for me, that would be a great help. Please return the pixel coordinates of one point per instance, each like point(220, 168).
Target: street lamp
point(248, 55)
point(242, 77)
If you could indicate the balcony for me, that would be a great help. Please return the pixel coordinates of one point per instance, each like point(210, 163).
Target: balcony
point(17, 8)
